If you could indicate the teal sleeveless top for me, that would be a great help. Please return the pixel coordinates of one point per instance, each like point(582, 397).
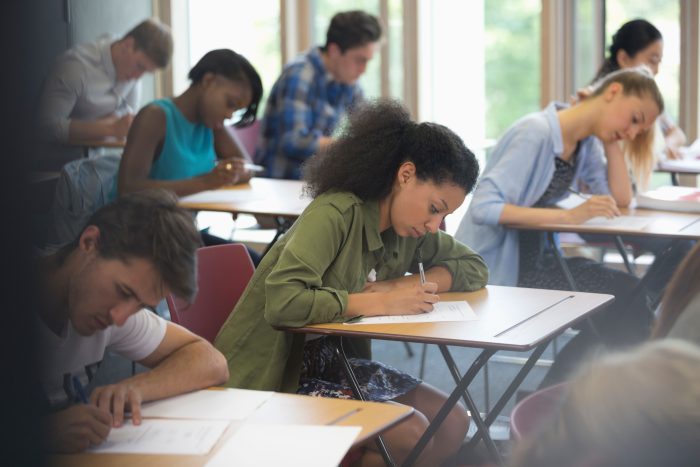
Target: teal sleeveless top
point(188, 148)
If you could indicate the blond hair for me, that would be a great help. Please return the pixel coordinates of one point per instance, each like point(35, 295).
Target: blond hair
point(639, 153)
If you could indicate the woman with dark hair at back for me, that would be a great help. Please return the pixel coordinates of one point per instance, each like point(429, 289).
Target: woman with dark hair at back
point(181, 144)
point(638, 42)
point(380, 192)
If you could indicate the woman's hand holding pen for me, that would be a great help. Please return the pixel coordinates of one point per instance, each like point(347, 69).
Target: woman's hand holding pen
point(226, 172)
point(411, 300)
point(595, 206)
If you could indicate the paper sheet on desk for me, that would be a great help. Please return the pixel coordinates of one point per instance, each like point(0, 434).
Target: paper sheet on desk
point(692, 151)
point(617, 223)
point(161, 436)
point(442, 311)
point(287, 445)
point(224, 404)
point(220, 197)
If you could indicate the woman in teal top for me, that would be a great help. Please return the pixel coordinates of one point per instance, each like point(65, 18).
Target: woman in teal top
point(181, 144)
point(380, 192)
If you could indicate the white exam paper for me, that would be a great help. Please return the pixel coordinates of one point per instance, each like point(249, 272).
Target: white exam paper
point(442, 311)
point(286, 445)
point(616, 223)
point(224, 404)
point(158, 436)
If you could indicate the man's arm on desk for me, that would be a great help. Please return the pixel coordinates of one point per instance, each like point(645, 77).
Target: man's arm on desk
point(181, 363)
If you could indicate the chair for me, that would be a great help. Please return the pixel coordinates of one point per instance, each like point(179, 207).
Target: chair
point(223, 272)
point(533, 412)
point(83, 187)
point(248, 138)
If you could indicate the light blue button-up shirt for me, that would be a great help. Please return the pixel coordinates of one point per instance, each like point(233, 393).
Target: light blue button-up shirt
point(518, 172)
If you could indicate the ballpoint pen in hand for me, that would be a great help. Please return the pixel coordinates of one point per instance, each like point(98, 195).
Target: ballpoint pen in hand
point(79, 390)
point(420, 267)
point(578, 193)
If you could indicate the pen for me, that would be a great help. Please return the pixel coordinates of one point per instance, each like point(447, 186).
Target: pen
point(420, 267)
point(253, 167)
point(354, 319)
point(578, 193)
point(79, 390)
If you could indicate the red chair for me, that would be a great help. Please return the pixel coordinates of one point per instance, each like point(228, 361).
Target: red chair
point(223, 272)
point(533, 412)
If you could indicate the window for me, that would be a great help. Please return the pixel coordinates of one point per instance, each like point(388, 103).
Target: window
point(512, 62)
point(231, 24)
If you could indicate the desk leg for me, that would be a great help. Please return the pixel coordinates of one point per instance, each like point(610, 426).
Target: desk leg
point(355, 385)
point(562, 264)
point(459, 391)
point(510, 390)
point(621, 249)
point(570, 279)
point(482, 429)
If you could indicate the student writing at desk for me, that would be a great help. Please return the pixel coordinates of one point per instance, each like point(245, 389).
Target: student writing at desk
point(533, 167)
point(314, 93)
point(95, 296)
point(639, 43)
point(380, 193)
point(93, 89)
point(181, 144)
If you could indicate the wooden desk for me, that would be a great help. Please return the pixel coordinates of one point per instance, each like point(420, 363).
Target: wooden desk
point(100, 143)
point(373, 417)
point(280, 199)
point(510, 318)
point(663, 224)
point(679, 166)
point(667, 224)
point(261, 196)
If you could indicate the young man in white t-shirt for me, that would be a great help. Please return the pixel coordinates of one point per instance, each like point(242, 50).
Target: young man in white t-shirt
point(97, 294)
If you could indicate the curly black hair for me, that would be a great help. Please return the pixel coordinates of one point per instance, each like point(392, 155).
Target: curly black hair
point(378, 138)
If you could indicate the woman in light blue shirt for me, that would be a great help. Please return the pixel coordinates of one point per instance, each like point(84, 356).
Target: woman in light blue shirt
point(532, 168)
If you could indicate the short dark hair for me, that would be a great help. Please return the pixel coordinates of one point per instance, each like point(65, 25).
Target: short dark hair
point(150, 225)
point(351, 29)
point(236, 67)
point(378, 138)
point(632, 37)
point(154, 39)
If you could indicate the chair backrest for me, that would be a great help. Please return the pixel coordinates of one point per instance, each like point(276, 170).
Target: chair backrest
point(532, 413)
point(248, 137)
point(83, 187)
point(223, 272)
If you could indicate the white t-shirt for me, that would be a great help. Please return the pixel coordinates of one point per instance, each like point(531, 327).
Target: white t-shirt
point(71, 354)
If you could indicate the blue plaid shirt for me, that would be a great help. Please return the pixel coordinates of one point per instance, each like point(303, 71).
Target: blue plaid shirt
point(305, 103)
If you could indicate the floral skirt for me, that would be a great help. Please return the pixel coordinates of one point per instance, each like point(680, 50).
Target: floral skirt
point(322, 374)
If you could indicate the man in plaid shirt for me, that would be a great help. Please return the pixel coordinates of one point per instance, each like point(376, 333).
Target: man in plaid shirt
point(314, 92)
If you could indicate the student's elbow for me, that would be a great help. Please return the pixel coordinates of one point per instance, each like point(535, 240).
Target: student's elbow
point(219, 368)
point(486, 213)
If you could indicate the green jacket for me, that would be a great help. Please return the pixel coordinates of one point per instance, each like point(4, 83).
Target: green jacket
point(306, 278)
